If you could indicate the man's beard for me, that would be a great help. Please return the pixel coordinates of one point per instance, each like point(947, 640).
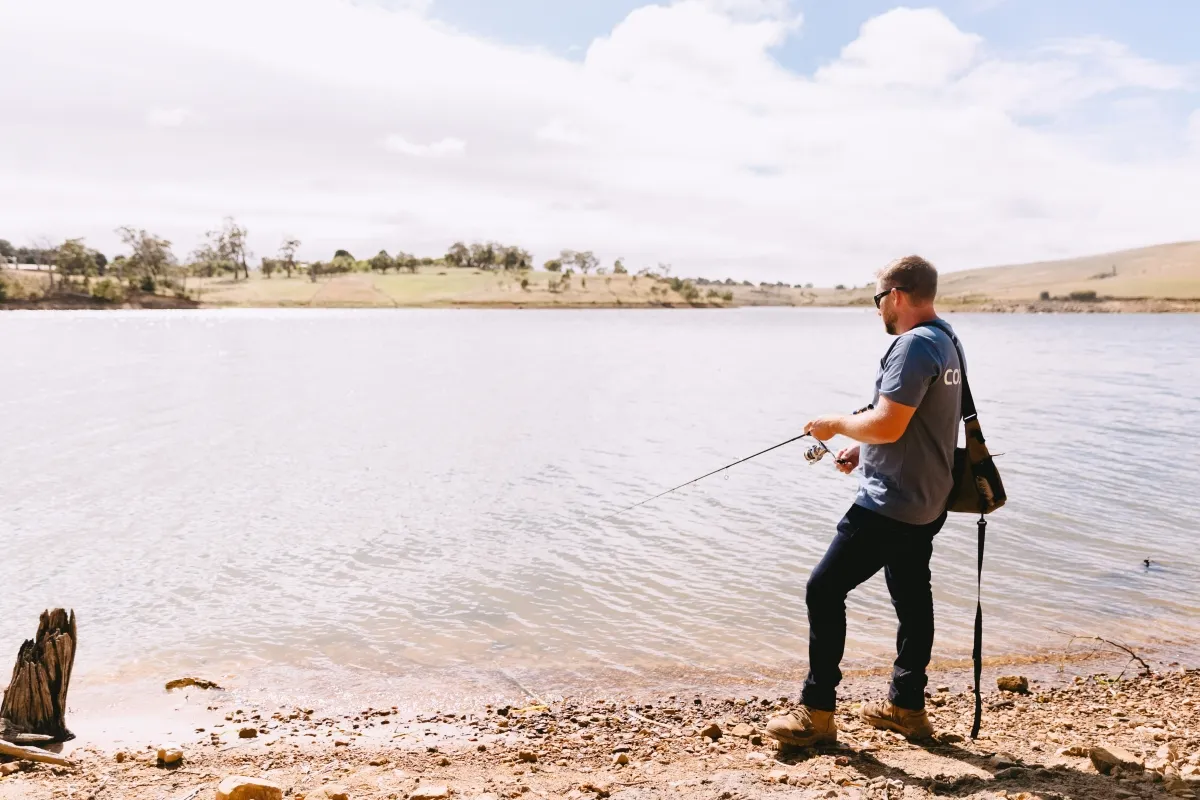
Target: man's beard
point(889, 322)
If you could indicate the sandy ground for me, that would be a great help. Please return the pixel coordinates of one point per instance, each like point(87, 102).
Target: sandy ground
point(1033, 745)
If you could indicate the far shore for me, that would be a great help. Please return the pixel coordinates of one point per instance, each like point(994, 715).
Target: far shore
point(459, 288)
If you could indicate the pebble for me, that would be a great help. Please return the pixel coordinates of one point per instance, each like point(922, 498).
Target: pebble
point(238, 787)
point(742, 731)
point(1017, 684)
point(170, 754)
point(711, 731)
point(528, 756)
point(430, 792)
point(10, 769)
point(247, 733)
point(621, 759)
point(1104, 759)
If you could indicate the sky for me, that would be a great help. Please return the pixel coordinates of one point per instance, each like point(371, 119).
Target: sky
point(772, 140)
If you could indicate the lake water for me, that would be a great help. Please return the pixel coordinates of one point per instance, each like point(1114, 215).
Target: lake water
point(416, 493)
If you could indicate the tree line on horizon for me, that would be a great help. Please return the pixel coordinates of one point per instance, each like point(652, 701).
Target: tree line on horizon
point(151, 265)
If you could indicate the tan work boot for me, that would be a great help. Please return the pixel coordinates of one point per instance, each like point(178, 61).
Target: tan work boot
point(804, 727)
point(885, 715)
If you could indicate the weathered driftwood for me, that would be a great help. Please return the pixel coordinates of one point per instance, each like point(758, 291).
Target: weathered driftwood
point(36, 698)
point(32, 754)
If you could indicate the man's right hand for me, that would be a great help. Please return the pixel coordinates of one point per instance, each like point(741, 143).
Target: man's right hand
point(847, 459)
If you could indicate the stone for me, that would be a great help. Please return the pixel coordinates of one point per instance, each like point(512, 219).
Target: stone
point(528, 756)
point(120, 756)
point(170, 754)
point(331, 792)
point(711, 731)
point(247, 733)
point(1017, 684)
point(10, 769)
point(1178, 787)
point(950, 738)
point(621, 759)
point(1105, 759)
point(742, 731)
point(777, 776)
point(1075, 751)
point(430, 792)
point(238, 787)
point(756, 758)
point(600, 789)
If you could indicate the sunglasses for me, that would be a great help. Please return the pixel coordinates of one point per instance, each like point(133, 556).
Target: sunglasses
point(879, 297)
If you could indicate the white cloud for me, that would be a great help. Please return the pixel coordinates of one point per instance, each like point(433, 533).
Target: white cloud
point(678, 137)
point(440, 148)
point(168, 117)
point(916, 47)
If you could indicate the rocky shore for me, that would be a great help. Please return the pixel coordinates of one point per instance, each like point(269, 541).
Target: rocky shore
point(1088, 737)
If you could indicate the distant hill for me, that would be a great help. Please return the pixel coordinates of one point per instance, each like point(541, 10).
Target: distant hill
point(1165, 271)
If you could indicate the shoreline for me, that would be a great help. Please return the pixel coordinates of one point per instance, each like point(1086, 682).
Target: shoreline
point(162, 302)
point(649, 744)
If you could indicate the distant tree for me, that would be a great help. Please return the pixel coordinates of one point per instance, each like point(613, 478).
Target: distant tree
point(315, 269)
point(343, 254)
point(269, 266)
point(287, 254)
point(232, 245)
point(207, 261)
point(405, 261)
point(101, 261)
point(1044, 296)
point(6, 249)
point(382, 262)
point(341, 264)
point(808, 285)
point(513, 257)
point(482, 255)
point(619, 267)
point(841, 287)
point(553, 265)
point(72, 259)
point(586, 261)
point(150, 259)
point(458, 255)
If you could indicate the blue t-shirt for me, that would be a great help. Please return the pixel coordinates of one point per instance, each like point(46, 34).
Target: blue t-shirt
point(910, 479)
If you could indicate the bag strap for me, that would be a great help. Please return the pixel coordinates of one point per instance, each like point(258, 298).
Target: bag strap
point(977, 645)
point(969, 413)
point(968, 401)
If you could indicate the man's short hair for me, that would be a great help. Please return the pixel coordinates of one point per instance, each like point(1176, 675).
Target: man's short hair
point(913, 274)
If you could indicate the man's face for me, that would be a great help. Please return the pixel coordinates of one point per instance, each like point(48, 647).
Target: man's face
point(887, 309)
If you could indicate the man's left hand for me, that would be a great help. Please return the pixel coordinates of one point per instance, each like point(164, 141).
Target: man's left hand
point(824, 428)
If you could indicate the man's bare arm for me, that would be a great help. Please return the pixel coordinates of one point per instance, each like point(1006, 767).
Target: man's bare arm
point(883, 424)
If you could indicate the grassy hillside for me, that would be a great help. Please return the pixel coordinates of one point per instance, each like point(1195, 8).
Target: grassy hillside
point(1160, 278)
point(1167, 271)
point(440, 286)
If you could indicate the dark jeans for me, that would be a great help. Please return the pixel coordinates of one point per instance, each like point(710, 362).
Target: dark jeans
point(865, 542)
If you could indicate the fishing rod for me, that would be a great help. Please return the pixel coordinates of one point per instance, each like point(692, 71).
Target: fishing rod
point(812, 455)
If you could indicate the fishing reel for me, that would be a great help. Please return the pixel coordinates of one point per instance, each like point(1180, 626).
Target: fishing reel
point(816, 452)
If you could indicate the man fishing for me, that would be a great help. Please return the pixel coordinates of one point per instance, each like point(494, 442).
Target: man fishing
point(906, 454)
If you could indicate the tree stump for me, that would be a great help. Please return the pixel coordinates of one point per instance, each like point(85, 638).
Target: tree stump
point(36, 699)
